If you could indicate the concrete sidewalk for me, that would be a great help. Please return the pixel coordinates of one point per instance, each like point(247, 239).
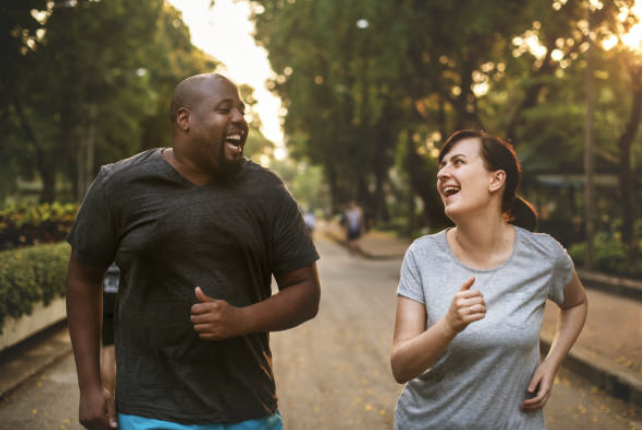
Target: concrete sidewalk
point(609, 350)
point(25, 360)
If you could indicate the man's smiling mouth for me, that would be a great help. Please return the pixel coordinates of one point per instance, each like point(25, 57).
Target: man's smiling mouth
point(233, 141)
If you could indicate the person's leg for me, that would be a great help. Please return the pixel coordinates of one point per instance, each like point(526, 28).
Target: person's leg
point(353, 241)
point(108, 368)
point(108, 355)
point(351, 247)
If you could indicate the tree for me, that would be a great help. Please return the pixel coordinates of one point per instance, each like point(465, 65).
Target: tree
point(72, 92)
point(364, 79)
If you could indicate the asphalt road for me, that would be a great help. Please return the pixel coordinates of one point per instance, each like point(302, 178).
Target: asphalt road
point(332, 372)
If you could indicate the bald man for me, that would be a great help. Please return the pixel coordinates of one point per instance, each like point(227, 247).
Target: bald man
point(197, 231)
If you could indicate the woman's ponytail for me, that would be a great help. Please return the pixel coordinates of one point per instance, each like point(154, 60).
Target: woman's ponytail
point(523, 214)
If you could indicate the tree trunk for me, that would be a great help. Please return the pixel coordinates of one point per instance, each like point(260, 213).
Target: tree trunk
point(423, 183)
point(532, 93)
point(464, 117)
point(625, 174)
point(44, 169)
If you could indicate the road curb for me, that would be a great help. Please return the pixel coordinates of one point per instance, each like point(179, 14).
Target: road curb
point(622, 287)
point(22, 362)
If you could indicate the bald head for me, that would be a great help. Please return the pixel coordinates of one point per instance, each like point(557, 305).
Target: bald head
point(190, 91)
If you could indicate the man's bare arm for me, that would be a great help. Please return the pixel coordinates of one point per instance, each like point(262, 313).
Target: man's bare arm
point(84, 318)
point(296, 302)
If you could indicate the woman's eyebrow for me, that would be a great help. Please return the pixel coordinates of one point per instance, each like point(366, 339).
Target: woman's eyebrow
point(447, 157)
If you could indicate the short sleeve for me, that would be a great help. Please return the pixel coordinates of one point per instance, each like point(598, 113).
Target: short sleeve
point(562, 274)
point(410, 279)
point(292, 245)
point(93, 236)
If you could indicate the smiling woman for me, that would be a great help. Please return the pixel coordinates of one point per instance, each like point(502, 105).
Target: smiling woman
point(471, 300)
point(225, 32)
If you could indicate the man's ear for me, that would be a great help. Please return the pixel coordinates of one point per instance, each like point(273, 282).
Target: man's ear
point(183, 118)
point(497, 180)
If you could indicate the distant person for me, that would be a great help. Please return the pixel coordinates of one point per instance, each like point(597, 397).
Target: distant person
point(197, 231)
point(471, 300)
point(108, 352)
point(354, 225)
point(310, 220)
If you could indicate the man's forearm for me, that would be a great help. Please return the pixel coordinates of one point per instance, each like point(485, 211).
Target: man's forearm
point(286, 309)
point(84, 320)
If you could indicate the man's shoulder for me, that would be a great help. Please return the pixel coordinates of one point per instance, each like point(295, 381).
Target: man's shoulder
point(262, 176)
point(128, 166)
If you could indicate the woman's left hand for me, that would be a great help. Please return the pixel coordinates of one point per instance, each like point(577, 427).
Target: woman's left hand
point(540, 387)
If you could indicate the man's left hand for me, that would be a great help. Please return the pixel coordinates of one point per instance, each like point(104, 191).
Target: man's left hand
point(216, 319)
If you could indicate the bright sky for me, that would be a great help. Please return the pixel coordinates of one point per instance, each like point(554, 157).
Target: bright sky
point(225, 32)
point(634, 38)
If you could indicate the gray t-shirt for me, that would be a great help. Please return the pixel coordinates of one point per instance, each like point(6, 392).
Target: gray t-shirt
point(167, 236)
point(481, 378)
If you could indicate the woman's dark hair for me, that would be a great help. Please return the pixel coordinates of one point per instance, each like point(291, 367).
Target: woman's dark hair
point(500, 155)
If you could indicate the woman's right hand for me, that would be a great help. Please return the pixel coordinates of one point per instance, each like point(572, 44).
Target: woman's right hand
point(466, 307)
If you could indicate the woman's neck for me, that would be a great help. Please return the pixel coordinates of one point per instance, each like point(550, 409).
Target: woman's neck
point(482, 243)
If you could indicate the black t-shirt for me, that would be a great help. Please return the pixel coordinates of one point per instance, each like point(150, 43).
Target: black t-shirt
point(168, 236)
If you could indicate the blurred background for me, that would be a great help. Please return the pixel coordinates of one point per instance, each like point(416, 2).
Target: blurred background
point(366, 91)
point(348, 100)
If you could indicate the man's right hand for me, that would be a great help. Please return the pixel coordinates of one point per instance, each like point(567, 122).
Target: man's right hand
point(98, 410)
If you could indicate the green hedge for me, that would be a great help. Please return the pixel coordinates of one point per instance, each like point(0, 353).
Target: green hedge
point(25, 224)
point(31, 275)
point(610, 255)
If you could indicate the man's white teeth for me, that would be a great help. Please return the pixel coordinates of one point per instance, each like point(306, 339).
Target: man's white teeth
point(234, 141)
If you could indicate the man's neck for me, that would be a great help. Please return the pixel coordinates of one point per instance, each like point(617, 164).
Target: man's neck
point(186, 168)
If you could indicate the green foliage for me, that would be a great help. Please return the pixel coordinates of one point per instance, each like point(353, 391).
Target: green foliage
point(87, 71)
point(360, 78)
point(305, 182)
point(610, 255)
point(23, 224)
point(374, 84)
point(29, 276)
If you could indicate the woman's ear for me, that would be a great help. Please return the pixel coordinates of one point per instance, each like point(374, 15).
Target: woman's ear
point(497, 180)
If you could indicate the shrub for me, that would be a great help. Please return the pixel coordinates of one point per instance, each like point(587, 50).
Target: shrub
point(610, 255)
point(31, 275)
point(23, 225)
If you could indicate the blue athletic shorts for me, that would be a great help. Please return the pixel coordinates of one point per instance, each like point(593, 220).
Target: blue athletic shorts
point(134, 422)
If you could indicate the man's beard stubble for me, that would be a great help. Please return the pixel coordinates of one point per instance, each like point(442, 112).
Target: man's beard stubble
point(229, 168)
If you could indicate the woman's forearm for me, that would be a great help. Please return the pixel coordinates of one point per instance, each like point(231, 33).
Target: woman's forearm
point(412, 357)
point(570, 323)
